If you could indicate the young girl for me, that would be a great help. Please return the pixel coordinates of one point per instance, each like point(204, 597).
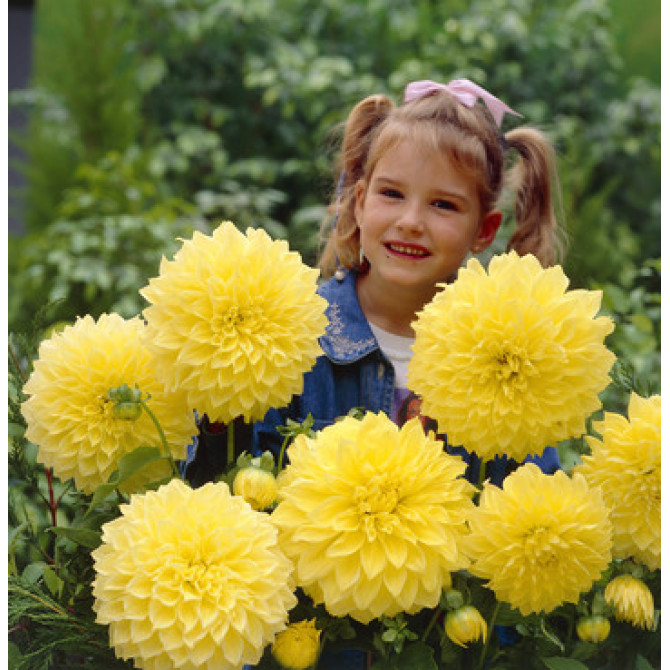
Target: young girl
point(418, 187)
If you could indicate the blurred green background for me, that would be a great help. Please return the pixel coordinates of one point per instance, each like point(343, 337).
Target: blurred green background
point(150, 119)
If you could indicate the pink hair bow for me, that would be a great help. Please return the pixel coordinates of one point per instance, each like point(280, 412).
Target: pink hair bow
point(464, 91)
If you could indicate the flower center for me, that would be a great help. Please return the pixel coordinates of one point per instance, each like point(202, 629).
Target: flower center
point(376, 505)
point(540, 545)
point(235, 321)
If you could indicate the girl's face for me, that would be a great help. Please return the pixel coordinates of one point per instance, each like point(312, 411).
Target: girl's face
point(418, 217)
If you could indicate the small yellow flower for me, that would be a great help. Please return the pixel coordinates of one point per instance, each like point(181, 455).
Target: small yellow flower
point(626, 465)
point(593, 628)
point(297, 647)
point(632, 601)
point(541, 540)
point(258, 487)
point(234, 321)
point(465, 625)
point(373, 516)
point(191, 578)
point(79, 430)
point(510, 361)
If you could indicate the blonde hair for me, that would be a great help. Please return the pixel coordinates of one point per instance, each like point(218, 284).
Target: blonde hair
point(467, 136)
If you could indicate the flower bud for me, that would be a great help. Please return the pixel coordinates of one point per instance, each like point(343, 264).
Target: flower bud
point(465, 625)
point(594, 628)
point(258, 487)
point(297, 647)
point(632, 601)
point(453, 599)
point(128, 411)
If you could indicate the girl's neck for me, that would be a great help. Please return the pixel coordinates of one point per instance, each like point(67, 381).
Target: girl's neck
point(393, 309)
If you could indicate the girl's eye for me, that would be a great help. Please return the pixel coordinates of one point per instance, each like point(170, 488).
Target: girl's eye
point(445, 204)
point(391, 193)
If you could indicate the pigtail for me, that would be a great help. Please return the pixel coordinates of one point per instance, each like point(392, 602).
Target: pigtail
point(533, 178)
point(342, 240)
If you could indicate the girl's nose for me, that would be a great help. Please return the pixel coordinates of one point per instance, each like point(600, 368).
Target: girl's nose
point(411, 218)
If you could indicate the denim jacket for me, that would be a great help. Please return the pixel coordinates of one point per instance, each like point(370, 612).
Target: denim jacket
point(353, 372)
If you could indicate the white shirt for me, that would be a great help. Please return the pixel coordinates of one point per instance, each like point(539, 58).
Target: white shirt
point(397, 349)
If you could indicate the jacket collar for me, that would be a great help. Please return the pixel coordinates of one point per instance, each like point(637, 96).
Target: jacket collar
point(348, 337)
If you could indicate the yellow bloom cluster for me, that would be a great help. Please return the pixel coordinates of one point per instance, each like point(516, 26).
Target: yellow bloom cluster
point(626, 465)
point(541, 540)
point(191, 579)
point(373, 516)
point(234, 320)
point(70, 416)
point(509, 362)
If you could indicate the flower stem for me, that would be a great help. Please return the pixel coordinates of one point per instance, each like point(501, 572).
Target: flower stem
point(489, 632)
point(231, 443)
point(161, 434)
point(482, 473)
point(432, 622)
point(281, 453)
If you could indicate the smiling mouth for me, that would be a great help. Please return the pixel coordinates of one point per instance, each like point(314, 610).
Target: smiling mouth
point(407, 250)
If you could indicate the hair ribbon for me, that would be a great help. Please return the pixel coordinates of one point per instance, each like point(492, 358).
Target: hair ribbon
point(465, 91)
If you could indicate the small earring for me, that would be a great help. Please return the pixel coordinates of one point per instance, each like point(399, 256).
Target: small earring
point(340, 273)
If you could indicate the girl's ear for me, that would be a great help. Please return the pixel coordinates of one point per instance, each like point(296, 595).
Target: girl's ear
point(361, 190)
point(487, 231)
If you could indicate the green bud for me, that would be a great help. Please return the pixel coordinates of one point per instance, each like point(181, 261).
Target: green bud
point(126, 402)
point(124, 393)
point(128, 411)
point(452, 599)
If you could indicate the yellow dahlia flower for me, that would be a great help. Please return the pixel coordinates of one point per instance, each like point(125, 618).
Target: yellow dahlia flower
point(626, 465)
point(234, 320)
point(509, 362)
point(297, 647)
point(595, 628)
point(258, 487)
point(70, 416)
point(465, 625)
point(373, 516)
point(191, 579)
point(632, 601)
point(541, 540)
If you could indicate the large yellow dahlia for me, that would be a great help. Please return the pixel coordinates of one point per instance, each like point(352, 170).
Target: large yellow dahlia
point(509, 362)
point(626, 465)
point(234, 320)
point(191, 579)
point(70, 417)
point(541, 540)
point(373, 516)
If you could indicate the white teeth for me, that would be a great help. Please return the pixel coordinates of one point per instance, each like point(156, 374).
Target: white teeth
point(409, 251)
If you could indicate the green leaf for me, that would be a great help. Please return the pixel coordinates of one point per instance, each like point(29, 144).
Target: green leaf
point(33, 572)
point(559, 663)
point(132, 462)
point(416, 656)
point(83, 536)
point(14, 656)
point(129, 464)
point(53, 581)
point(641, 663)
